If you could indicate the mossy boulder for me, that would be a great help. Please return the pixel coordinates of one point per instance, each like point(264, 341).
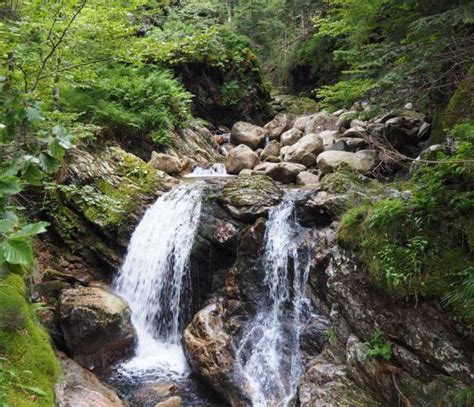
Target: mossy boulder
point(248, 197)
point(28, 366)
point(100, 199)
point(461, 106)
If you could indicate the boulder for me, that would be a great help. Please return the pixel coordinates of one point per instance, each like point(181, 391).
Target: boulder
point(272, 149)
point(96, 326)
point(301, 122)
point(245, 173)
point(320, 208)
point(247, 198)
point(263, 167)
point(156, 394)
point(278, 126)
point(329, 137)
point(78, 387)
point(358, 123)
point(320, 122)
point(285, 173)
point(165, 163)
point(306, 178)
point(212, 354)
point(273, 159)
point(240, 158)
point(360, 161)
point(305, 150)
point(248, 134)
point(353, 144)
point(290, 137)
point(356, 132)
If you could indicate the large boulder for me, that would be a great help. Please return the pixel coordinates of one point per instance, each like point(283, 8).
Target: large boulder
point(290, 137)
point(240, 158)
point(96, 326)
point(248, 134)
point(165, 162)
point(285, 173)
point(279, 125)
point(78, 387)
point(305, 150)
point(272, 149)
point(154, 394)
point(212, 354)
point(248, 197)
point(306, 178)
point(301, 122)
point(320, 122)
point(361, 161)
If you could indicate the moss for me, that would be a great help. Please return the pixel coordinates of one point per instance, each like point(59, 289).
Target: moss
point(461, 106)
point(29, 368)
point(351, 223)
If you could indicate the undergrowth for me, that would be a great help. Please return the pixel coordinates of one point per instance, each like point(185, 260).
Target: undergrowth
point(421, 245)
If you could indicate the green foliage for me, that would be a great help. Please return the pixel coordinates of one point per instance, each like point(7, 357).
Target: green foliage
point(464, 397)
point(378, 347)
point(398, 48)
point(421, 244)
point(28, 367)
point(145, 101)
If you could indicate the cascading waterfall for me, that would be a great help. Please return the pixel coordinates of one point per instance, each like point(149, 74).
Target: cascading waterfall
point(215, 170)
point(154, 278)
point(269, 349)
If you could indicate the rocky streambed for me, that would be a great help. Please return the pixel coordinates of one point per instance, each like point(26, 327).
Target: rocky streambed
point(259, 250)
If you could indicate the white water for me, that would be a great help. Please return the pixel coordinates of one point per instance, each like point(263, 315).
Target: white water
point(154, 277)
point(269, 350)
point(215, 170)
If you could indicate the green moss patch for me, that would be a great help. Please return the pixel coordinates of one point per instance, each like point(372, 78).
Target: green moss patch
point(28, 366)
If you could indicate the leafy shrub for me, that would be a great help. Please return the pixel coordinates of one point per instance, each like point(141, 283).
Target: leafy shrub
point(143, 101)
point(422, 245)
point(378, 347)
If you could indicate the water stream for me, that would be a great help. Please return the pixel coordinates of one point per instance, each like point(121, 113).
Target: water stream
point(269, 349)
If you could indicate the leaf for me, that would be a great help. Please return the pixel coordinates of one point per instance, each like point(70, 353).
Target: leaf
point(32, 174)
point(34, 115)
point(55, 150)
point(7, 225)
point(34, 390)
point(49, 164)
point(9, 185)
point(30, 230)
point(16, 252)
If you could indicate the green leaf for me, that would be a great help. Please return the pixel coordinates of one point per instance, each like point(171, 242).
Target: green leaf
point(16, 252)
point(9, 185)
point(7, 225)
point(32, 174)
point(49, 164)
point(30, 230)
point(33, 115)
point(55, 150)
point(34, 390)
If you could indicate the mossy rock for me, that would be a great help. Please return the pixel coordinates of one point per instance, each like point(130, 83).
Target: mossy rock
point(461, 106)
point(248, 197)
point(28, 368)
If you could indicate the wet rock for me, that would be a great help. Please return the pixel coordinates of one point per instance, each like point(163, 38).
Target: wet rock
point(285, 173)
point(306, 178)
point(212, 355)
point(290, 137)
point(165, 163)
point(248, 134)
point(279, 125)
point(96, 326)
point(305, 150)
point(272, 149)
point(320, 208)
point(153, 394)
point(360, 161)
point(326, 383)
point(320, 122)
point(247, 198)
point(241, 158)
point(78, 387)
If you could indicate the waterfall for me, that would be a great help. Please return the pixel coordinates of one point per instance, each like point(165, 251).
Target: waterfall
point(154, 278)
point(269, 349)
point(215, 170)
